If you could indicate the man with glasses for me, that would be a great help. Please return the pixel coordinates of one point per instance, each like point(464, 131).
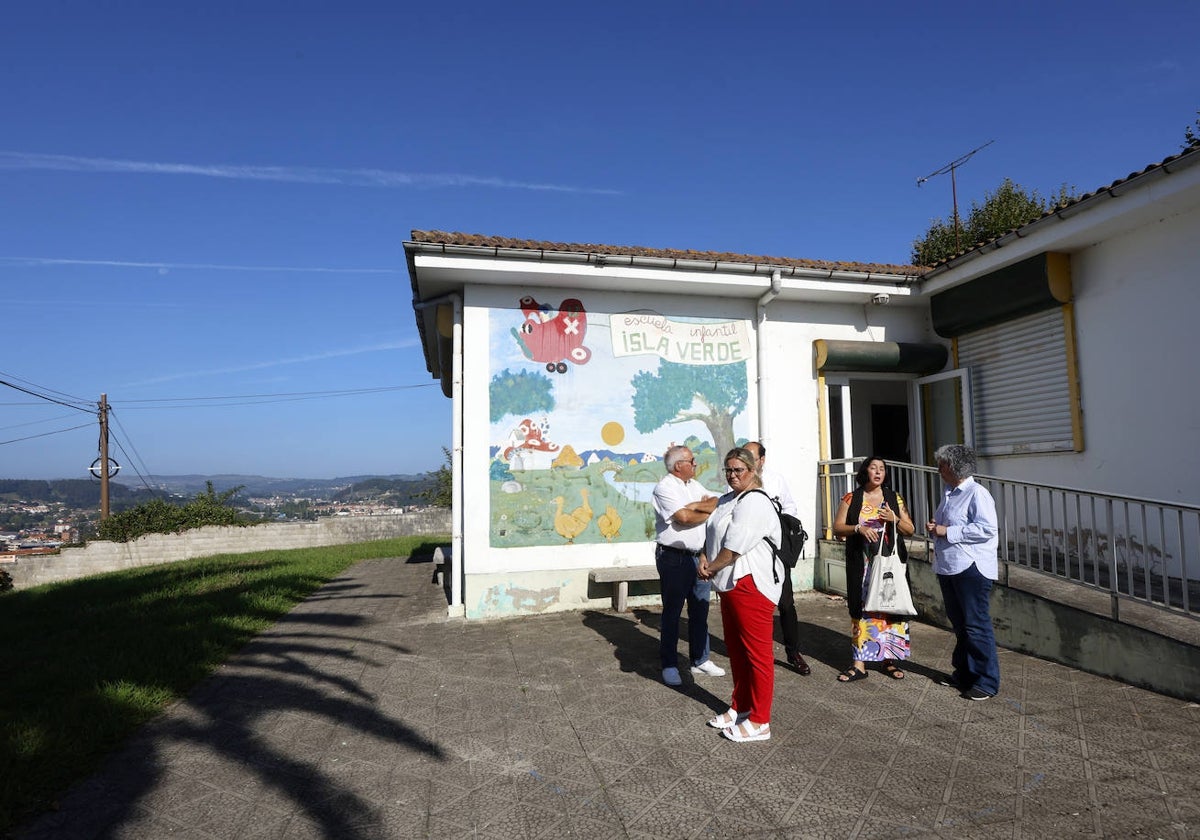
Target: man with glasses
point(681, 507)
point(776, 487)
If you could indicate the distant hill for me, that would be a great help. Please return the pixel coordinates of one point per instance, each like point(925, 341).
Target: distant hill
point(402, 491)
point(84, 492)
point(258, 485)
point(73, 492)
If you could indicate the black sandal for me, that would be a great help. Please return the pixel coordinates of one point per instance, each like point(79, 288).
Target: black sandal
point(852, 674)
point(892, 671)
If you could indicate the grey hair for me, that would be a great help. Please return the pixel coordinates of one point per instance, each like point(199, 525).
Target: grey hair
point(959, 459)
point(673, 456)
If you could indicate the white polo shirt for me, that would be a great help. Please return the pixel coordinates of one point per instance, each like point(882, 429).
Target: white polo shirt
point(670, 495)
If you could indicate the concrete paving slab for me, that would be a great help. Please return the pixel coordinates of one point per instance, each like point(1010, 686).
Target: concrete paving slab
point(366, 713)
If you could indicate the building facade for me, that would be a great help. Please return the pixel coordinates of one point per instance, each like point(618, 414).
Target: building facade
point(572, 368)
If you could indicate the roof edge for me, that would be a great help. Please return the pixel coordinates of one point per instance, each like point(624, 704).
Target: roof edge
point(600, 256)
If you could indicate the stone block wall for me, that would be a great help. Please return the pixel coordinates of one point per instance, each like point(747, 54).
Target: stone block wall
point(152, 549)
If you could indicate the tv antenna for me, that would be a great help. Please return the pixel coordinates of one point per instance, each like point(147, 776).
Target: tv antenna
point(950, 167)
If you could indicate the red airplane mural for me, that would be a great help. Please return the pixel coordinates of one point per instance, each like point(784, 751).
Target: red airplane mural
point(553, 337)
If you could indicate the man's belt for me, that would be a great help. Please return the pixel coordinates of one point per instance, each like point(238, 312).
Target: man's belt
point(689, 552)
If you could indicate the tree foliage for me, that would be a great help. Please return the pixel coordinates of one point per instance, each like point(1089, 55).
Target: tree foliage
point(161, 517)
point(1191, 135)
point(523, 392)
point(1008, 207)
point(712, 394)
point(442, 492)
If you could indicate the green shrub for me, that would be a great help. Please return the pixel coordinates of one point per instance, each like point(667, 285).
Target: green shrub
point(161, 517)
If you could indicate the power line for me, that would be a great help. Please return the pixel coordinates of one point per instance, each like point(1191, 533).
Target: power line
point(141, 473)
point(45, 389)
point(89, 407)
point(35, 422)
point(45, 434)
point(227, 401)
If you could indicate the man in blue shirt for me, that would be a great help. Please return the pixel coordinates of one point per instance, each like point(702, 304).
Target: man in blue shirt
point(965, 529)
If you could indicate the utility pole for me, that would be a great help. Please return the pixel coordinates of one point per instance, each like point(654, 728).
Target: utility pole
point(103, 457)
point(950, 167)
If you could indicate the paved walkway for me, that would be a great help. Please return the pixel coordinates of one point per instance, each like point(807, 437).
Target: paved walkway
point(365, 713)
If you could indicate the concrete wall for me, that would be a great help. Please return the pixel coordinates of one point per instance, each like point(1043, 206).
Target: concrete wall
point(1047, 628)
point(152, 549)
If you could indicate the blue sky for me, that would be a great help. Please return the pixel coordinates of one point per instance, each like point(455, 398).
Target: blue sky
point(202, 205)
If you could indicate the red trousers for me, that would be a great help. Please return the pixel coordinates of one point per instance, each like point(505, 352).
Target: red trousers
point(749, 621)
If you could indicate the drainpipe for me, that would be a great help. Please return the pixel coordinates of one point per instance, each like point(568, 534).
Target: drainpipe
point(458, 506)
point(760, 320)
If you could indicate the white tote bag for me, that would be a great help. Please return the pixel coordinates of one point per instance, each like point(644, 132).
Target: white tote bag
point(887, 588)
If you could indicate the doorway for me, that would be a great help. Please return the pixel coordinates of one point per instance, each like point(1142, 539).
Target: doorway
point(889, 432)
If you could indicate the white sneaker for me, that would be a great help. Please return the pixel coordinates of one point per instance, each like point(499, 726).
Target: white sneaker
point(671, 676)
point(708, 667)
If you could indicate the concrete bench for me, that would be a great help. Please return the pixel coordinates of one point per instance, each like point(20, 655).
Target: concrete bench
point(441, 563)
point(621, 575)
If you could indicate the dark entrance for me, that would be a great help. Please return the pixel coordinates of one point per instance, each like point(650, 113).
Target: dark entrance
point(889, 432)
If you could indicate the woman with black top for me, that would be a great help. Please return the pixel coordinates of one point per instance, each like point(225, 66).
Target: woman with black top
point(864, 518)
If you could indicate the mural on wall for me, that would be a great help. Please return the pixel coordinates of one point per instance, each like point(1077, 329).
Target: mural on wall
point(553, 336)
point(583, 405)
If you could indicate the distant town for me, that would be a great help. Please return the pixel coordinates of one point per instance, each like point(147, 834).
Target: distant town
point(42, 516)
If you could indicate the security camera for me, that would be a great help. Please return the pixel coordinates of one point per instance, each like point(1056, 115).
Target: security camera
point(880, 300)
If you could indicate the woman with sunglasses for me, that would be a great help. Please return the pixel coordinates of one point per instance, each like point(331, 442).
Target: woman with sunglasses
point(742, 566)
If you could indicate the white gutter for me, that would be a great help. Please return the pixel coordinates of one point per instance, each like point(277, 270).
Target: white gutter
point(458, 516)
point(761, 342)
point(594, 260)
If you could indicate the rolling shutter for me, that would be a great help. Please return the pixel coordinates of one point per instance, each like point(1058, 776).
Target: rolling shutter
point(1019, 385)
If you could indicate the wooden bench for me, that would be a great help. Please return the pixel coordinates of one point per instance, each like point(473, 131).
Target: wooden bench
point(621, 575)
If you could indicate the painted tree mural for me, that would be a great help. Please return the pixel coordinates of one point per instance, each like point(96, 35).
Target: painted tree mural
point(712, 394)
point(524, 392)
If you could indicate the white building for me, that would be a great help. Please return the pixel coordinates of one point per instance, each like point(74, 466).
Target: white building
point(1058, 350)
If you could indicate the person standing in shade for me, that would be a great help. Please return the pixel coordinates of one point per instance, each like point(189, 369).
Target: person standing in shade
point(965, 528)
point(681, 507)
point(776, 487)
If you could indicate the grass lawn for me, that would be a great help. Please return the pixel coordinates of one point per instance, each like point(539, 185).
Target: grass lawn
point(85, 662)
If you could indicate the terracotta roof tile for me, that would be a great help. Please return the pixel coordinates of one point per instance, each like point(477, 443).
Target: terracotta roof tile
point(472, 239)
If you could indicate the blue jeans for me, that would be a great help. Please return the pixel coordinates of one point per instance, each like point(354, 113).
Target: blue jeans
point(677, 576)
point(976, 664)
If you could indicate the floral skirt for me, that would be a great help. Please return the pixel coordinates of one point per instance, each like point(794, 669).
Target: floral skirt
point(876, 637)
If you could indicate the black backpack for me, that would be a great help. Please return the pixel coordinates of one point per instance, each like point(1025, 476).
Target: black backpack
point(793, 534)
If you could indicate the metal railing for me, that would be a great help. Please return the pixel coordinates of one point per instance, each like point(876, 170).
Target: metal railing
point(1133, 549)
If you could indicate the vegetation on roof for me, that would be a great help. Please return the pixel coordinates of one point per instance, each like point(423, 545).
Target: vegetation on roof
point(1007, 208)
